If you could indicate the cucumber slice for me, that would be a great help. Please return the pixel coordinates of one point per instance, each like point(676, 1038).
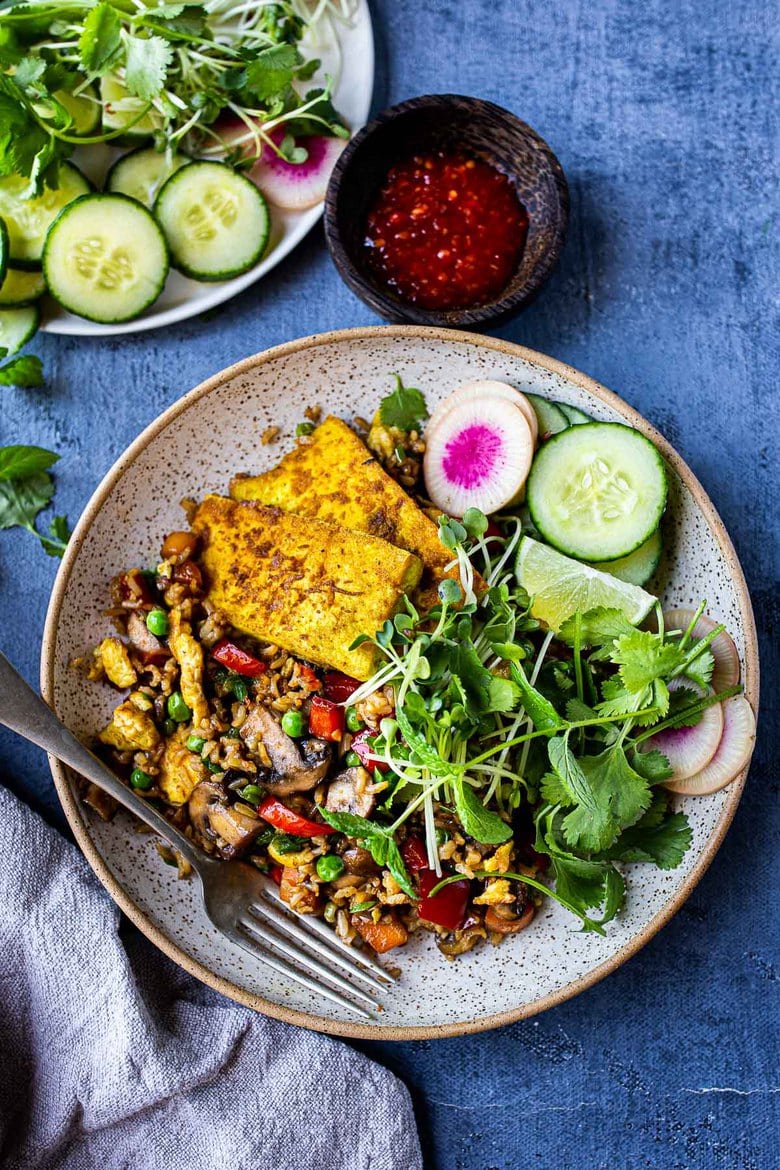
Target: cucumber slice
point(597, 492)
point(638, 567)
point(17, 326)
point(551, 418)
point(216, 221)
point(105, 258)
point(574, 417)
point(21, 288)
point(28, 220)
point(142, 173)
point(120, 108)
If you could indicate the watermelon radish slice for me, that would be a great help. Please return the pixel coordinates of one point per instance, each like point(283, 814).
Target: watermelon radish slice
point(478, 455)
point(296, 186)
point(689, 749)
point(727, 668)
point(733, 754)
point(235, 135)
point(487, 388)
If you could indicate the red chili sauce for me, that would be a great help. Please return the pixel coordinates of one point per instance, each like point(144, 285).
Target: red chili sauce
point(446, 231)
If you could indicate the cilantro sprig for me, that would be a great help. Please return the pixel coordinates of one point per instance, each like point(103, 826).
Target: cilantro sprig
point(26, 488)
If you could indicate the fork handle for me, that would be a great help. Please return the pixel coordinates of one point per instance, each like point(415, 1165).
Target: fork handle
point(23, 711)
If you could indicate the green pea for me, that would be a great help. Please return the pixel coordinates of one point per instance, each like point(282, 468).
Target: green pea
point(329, 867)
point(178, 709)
point(252, 794)
point(292, 723)
point(353, 720)
point(304, 428)
point(196, 743)
point(141, 779)
point(352, 760)
point(157, 622)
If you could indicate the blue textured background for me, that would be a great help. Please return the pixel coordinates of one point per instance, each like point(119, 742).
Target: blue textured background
point(661, 115)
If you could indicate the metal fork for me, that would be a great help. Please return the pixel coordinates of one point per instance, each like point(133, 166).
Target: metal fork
point(240, 901)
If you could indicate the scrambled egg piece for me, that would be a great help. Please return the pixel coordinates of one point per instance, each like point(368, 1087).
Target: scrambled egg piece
point(130, 730)
point(498, 890)
point(116, 663)
point(335, 477)
point(189, 655)
point(306, 586)
point(180, 769)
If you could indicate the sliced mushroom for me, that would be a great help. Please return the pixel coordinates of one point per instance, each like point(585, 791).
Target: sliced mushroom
point(348, 793)
point(297, 767)
point(215, 820)
point(498, 924)
point(148, 648)
point(359, 861)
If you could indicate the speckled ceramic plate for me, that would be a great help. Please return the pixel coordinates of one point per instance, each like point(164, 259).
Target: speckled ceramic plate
point(346, 53)
point(195, 447)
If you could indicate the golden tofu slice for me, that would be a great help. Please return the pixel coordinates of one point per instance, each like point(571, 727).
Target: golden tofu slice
point(180, 769)
point(334, 477)
point(130, 730)
point(116, 663)
point(307, 586)
point(189, 655)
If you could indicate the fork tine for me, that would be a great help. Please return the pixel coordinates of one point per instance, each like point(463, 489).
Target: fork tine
point(278, 943)
point(255, 948)
point(295, 928)
point(330, 937)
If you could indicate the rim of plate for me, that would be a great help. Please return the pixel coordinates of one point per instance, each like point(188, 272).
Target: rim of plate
point(73, 810)
point(71, 326)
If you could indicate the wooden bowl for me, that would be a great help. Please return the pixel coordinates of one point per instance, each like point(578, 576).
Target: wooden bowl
point(450, 122)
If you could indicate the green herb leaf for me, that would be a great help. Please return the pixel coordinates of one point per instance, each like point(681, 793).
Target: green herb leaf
point(21, 500)
point(18, 462)
point(540, 710)
point(378, 841)
point(404, 408)
point(660, 837)
point(100, 42)
point(598, 627)
point(59, 534)
point(25, 370)
point(481, 823)
point(621, 797)
point(146, 65)
point(271, 71)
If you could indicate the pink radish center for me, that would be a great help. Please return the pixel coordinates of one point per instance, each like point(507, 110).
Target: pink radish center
point(471, 457)
point(316, 147)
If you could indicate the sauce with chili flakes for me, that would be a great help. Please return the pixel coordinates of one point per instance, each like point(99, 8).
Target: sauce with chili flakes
point(446, 231)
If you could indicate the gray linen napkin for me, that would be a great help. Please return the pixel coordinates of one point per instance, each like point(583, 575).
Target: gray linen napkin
point(113, 1057)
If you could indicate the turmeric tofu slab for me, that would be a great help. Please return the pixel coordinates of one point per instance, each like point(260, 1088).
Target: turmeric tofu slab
point(333, 476)
point(304, 585)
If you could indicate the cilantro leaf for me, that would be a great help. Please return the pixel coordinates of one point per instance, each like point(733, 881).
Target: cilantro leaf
point(57, 540)
point(481, 823)
point(100, 42)
point(652, 765)
point(322, 117)
point(642, 657)
point(660, 837)
point(26, 371)
point(18, 462)
point(272, 71)
point(146, 65)
point(404, 408)
point(378, 841)
point(699, 669)
point(598, 627)
point(619, 796)
point(25, 148)
point(21, 500)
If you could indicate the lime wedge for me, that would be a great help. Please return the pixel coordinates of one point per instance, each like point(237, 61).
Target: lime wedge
point(560, 586)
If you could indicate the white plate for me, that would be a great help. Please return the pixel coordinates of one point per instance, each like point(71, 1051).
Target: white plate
point(195, 447)
point(347, 54)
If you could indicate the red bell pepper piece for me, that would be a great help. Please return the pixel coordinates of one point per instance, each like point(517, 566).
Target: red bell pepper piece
point(363, 748)
point(275, 873)
point(310, 677)
point(448, 907)
point(338, 686)
point(287, 821)
point(230, 655)
point(326, 719)
point(414, 854)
